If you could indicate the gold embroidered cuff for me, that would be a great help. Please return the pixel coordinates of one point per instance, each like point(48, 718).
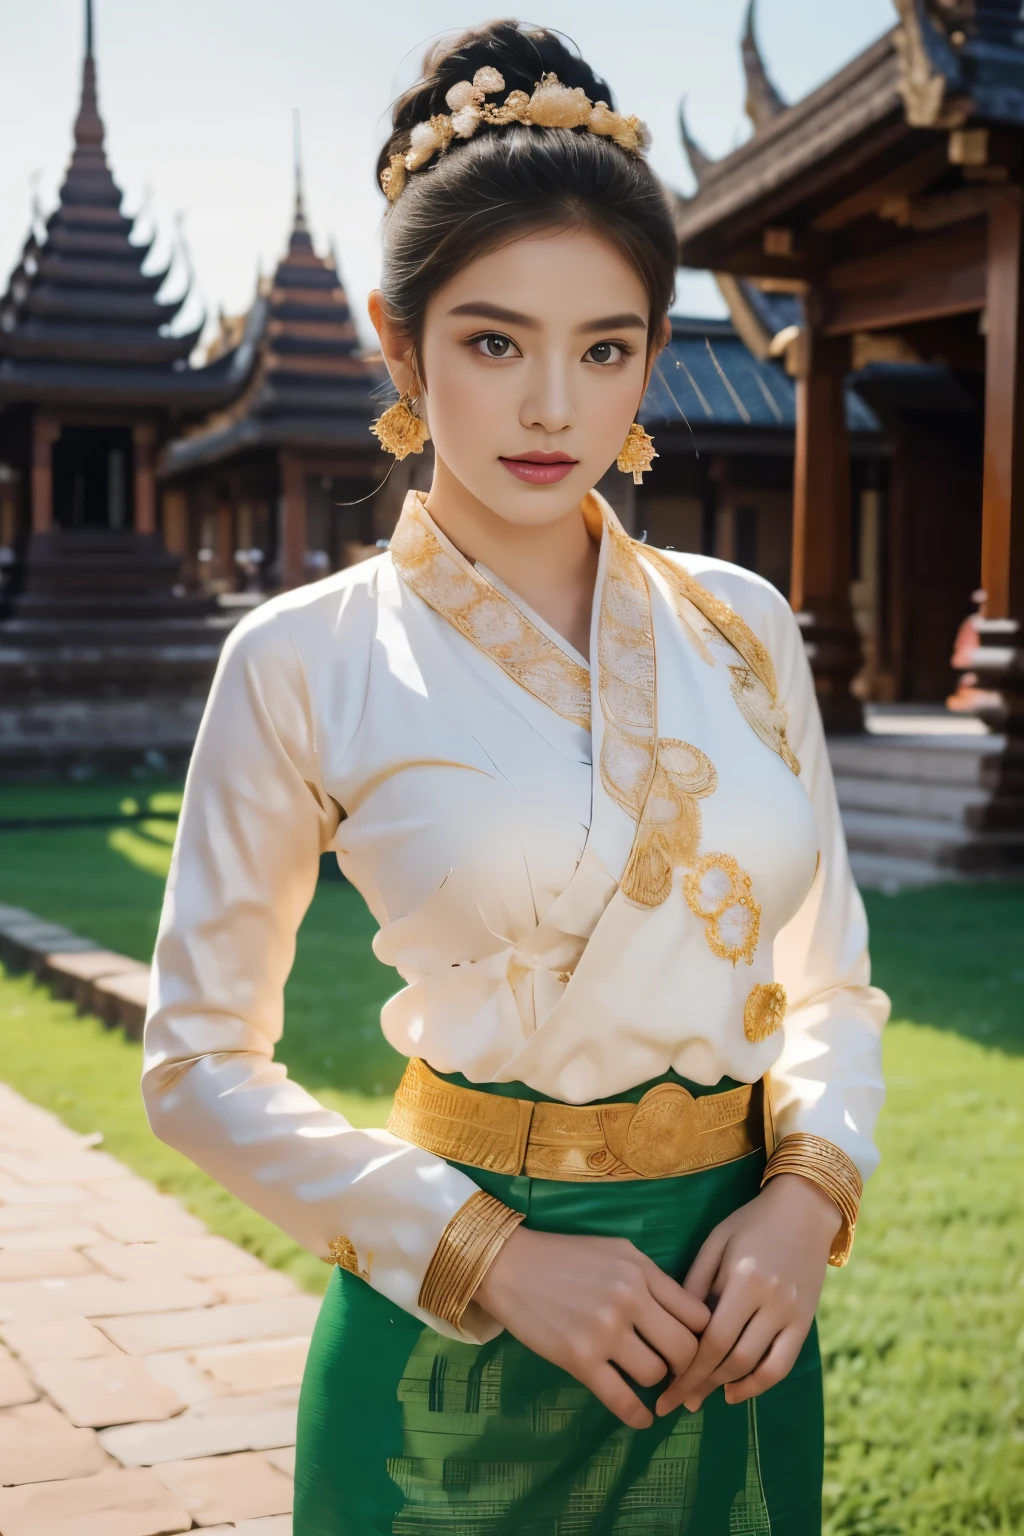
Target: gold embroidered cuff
point(814, 1158)
point(469, 1245)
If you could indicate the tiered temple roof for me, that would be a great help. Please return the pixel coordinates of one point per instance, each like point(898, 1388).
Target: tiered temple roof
point(311, 385)
point(946, 64)
point(80, 316)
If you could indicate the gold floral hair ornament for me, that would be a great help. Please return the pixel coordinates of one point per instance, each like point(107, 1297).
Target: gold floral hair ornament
point(552, 105)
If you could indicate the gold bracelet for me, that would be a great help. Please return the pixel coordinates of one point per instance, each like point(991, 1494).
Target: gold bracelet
point(469, 1245)
point(827, 1166)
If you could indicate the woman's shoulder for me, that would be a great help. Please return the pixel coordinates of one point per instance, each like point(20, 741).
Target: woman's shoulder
point(752, 597)
point(306, 619)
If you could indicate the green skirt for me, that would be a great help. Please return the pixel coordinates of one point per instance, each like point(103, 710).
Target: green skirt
point(403, 1432)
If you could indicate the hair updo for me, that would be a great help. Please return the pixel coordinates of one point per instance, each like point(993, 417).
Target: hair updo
point(511, 180)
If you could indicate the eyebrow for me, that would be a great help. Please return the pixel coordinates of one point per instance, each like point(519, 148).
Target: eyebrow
point(483, 311)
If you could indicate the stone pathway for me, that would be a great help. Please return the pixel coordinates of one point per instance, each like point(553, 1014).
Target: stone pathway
point(149, 1372)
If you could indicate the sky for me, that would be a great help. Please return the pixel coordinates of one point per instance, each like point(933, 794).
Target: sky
point(198, 97)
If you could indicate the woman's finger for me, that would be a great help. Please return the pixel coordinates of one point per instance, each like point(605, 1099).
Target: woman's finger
point(674, 1342)
point(690, 1310)
point(728, 1321)
point(749, 1350)
point(775, 1366)
point(608, 1386)
point(700, 1277)
point(639, 1361)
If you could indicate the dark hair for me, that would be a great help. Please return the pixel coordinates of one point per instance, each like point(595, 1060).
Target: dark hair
point(505, 181)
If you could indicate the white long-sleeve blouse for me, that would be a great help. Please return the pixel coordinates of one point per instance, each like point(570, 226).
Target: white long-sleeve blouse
point(583, 875)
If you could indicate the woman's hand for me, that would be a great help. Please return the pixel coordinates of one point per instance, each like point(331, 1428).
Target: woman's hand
point(589, 1304)
point(762, 1270)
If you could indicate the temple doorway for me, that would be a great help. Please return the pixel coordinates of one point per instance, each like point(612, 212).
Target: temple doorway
point(93, 478)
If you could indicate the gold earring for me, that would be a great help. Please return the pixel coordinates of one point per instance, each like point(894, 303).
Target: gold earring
point(399, 430)
point(637, 453)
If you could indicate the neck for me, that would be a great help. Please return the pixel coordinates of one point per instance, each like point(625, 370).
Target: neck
point(551, 566)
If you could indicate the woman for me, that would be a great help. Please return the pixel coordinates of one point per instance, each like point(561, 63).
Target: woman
point(583, 787)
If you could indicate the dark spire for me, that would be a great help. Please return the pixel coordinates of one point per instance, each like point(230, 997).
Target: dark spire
point(701, 163)
point(309, 383)
point(763, 103)
point(88, 124)
point(299, 222)
point(87, 299)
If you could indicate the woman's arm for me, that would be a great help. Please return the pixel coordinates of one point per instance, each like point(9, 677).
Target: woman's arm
point(255, 820)
point(763, 1267)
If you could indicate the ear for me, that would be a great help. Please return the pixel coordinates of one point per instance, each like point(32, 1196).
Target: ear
point(396, 345)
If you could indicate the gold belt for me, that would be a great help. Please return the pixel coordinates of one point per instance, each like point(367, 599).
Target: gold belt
point(668, 1133)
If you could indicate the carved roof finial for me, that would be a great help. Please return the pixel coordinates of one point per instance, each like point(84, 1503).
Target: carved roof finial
point(701, 162)
point(88, 125)
point(300, 204)
point(763, 103)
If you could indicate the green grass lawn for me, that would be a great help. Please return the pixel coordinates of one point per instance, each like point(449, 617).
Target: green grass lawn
point(923, 1335)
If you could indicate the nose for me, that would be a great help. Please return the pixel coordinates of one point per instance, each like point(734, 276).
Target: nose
point(548, 402)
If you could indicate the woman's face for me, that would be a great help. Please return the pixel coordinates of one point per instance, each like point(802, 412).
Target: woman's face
point(533, 364)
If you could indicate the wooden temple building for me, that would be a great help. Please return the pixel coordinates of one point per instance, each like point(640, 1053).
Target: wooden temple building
point(890, 203)
point(266, 480)
point(110, 623)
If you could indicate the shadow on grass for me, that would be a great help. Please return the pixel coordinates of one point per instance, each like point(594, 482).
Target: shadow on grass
point(108, 883)
point(952, 956)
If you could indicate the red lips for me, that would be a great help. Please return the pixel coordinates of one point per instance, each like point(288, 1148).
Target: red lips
point(536, 468)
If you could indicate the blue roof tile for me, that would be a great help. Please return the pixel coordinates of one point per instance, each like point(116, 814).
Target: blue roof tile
point(708, 376)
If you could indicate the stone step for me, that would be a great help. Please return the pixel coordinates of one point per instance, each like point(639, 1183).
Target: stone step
point(885, 872)
point(930, 839)
point(924, 760)
point(920, 798)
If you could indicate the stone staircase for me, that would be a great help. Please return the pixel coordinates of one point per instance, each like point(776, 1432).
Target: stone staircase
point(913, 791)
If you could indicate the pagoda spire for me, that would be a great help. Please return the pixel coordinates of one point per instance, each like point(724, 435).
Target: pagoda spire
point(89, 124)
point(299, 224)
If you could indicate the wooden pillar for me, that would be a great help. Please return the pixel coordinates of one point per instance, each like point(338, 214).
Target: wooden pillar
point(45, 432)
point(1002, 512)
point(144, 440)
point(998, 662)
point(822, 537)
point(224, 540)
point(292, 531)
point(176, 523)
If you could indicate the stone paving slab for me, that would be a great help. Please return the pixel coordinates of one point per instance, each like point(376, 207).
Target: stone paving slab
point(16, 1386)
point(198, 1258)
point(149, 1371)
point(254, 1422)
point(254, 1367)
point(56, 1336)
point(217, 1489)
point(99, 1296)
point(61, 1235)
point(111, 1389)
point(229, 1323)
point(259, 1286)
point(37, 1444)
point(47, 1262)
point(114, 1503)
point(276, 1525)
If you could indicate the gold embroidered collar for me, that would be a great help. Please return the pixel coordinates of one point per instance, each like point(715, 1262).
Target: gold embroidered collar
point(454, 588)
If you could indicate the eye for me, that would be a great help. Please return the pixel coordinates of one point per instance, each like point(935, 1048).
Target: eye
point(605, 352)
point(494, 344)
